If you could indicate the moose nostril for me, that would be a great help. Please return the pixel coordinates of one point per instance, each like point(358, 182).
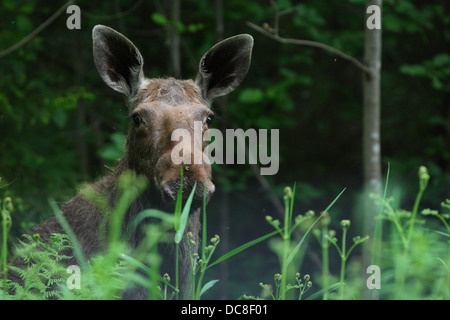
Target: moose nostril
point(169, 192)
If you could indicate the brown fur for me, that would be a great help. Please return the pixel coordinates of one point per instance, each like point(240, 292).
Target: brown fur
point(146, 153)
point(157, 107)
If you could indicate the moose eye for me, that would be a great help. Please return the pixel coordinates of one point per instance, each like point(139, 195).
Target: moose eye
point(137, 119)
point(209, 119)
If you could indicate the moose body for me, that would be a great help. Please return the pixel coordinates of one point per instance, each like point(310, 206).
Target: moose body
point(156, 108)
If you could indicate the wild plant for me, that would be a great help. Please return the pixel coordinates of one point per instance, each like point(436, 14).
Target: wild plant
point(414, 255)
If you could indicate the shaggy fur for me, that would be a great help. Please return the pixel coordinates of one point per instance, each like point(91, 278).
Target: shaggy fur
point(157, 107)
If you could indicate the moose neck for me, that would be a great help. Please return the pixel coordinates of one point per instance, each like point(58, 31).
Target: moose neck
point(149, 199)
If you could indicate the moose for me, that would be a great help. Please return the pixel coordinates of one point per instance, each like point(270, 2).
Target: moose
point(156, 108)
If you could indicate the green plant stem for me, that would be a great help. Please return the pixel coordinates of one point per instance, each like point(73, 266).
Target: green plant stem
point(165, 291)
point(413, 217)
point(204, 232)
point(286, 242)
point(343, 260)
point(193, 295)
point(176, 271)
point(325, 262)
point(177, 215)
point(440, 217)
point(4, 252)
point(203, 266)
point(200, 280)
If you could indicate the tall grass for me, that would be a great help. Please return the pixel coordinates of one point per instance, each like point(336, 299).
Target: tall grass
point(414, 258)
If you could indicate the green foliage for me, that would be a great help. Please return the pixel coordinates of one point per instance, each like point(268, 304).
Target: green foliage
point(60, 124)
point(44, 270)
point(416, 254)
point(344, 253)
point(414, 258)
point(437, 70)
point(286, 251)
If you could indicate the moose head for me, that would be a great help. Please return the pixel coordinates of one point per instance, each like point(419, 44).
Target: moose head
point(159, 106)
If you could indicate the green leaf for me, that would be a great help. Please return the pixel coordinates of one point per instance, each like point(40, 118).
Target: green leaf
point(184, 216)
point(297, 247)
point(441, 59)
point(323, 291)
point(204, 232)
point(208, 286)
point(194, 27)
point(24, 24)
point(151, 213)
point(160, 19)
point(178, 204)
point(242, 248)
point(115, 149)
point(251, 95)
point(68, 230)
point(437, 84)
point(413, 70)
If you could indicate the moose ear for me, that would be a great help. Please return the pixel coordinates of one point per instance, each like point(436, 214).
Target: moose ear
point(224, 66)
point(118, 61)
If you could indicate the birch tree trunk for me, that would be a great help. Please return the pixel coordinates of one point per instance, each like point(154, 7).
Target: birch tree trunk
point(371, 129)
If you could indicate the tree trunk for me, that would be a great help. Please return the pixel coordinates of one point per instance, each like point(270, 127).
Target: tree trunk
point(81, 116)
point(371, 131)
point(174, 38)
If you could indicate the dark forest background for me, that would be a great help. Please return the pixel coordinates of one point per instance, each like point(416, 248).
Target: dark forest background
point(60, 125)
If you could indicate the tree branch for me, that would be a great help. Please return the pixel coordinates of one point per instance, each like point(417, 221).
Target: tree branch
point(112, 16)
point(273, 35)
point(44, 25)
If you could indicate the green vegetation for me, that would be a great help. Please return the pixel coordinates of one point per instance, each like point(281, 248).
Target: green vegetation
point(61, 126)
point(414, 260)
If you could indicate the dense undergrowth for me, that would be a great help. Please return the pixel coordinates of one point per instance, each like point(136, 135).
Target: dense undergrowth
point(411, 260)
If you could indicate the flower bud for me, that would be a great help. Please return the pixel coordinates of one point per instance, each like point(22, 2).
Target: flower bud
point(277, 277)
point(423, 177)
point(310, 213)
point(215, 239)
point(208, 249)
point(298, 219)
point(345, 224)
point(287, 193)
point(423, 172)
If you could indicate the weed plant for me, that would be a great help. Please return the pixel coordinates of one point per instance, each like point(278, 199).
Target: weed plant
point(414, 258)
